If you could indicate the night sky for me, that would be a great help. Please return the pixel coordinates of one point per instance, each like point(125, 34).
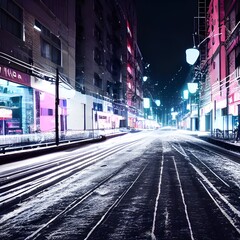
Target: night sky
point(165, 31)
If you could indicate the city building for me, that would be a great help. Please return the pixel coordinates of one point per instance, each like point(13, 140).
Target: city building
point(69, 65)
point(37, 38)
point(217, 37)
point(108, 69)
point(223, 65)
point(232, 43)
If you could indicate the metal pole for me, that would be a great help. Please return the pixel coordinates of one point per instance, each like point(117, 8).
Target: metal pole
point(92, 123)
point(56, 108)
point(227, 103)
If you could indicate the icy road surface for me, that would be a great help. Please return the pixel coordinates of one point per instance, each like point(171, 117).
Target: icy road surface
point(147, 185)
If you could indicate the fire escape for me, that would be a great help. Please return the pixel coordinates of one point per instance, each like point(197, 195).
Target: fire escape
point(201, 28)
point(201, 69)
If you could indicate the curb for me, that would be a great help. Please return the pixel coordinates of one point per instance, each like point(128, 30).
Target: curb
point(10, 157)
point(224, 144)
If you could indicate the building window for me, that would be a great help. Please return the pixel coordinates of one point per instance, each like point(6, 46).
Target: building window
point(50, 52)
point(98, 33)
point(109, 66)
point(50, 44)
point(98, 56)
point(97, 106)
point(97, 81)
point(109, 88)
point(98, 9)
point(11, 18)
point(109, 43)
point(237, 60)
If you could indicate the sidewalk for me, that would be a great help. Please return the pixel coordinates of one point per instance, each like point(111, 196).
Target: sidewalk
point(30, 151)
point(228, 144)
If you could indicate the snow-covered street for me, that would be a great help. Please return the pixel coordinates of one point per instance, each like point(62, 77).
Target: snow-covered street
point(143, 185)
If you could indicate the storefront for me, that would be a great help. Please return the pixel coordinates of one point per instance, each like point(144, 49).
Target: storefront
point(16, 102)
point(44, 106)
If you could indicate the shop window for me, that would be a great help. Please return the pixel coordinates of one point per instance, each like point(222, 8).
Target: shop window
point(11, 18)
point(98, 107)
point(46, 112)
point(63, 103)
point(224, 111)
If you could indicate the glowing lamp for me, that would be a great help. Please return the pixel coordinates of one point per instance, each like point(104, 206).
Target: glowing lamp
point(174, 114)
point(185, 94)
point(192, 55)
point(145, 78)
point(158, 102)
point(192, 87)
point(146, 102)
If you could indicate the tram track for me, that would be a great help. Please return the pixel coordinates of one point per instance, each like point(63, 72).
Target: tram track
point(76, 203)
point(224, 194)
point(81, 201)
point(161, 187)
point(17, 186)
point(102, 215)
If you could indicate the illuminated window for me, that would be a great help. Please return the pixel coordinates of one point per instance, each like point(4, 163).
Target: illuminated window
point(129, 48)
point(129, 69)
point(128, 29)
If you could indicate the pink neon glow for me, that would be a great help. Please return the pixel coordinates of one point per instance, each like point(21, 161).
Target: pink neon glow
point(129, 48)
point(128, 29)
point(129, 69)
point(47, 122)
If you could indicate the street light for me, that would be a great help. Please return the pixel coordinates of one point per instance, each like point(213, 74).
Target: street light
point(158, 102)
point(192, 87)
point(192, 54)
point(145, 78)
